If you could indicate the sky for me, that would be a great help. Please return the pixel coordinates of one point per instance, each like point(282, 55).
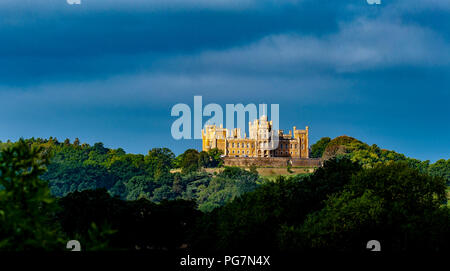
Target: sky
point(110, 71)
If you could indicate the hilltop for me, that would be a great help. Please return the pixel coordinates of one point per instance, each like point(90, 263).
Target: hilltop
point(193, 175)
point(120, 201)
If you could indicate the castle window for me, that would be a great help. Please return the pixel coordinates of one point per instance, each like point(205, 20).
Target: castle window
point(233, 151)
point(291, 146)
point(238, 151)
point(233, 146)
point(296, 146)
point(238, 145)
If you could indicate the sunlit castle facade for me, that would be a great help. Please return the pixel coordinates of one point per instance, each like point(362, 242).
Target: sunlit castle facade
point(259, 143)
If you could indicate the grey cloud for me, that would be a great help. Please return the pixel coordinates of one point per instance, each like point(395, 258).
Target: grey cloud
point(356, 47)
point(141, 90)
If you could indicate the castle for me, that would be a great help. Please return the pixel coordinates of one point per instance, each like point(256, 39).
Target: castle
point(259, 143)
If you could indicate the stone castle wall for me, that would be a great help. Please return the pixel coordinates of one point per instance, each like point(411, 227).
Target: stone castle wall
point(272, 161)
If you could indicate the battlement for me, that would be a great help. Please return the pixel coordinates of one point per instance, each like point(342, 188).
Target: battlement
point(259, 143)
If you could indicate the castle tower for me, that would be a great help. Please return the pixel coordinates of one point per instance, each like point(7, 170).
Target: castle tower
point(259, 143)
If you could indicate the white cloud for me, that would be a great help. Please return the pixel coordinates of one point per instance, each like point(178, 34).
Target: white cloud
point(360, 45)
point(306, 67)
point(156, 89)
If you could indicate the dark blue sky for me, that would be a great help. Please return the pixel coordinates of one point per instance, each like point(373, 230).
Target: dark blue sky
point(110, 71)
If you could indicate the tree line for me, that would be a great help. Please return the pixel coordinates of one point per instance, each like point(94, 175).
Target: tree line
point(339, 207)
point(370, 156)
point(78, 167)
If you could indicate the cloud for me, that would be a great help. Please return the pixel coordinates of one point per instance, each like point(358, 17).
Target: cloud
point(359, 45)
point(298, 65)
point(162, 89)
point(91, 45)
point(109, 69)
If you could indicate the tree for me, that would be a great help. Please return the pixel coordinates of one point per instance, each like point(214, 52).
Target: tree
point(318, 148)
point(441, 168)
point(223, 189)
point(139, 187)
point(253, 220)
point(190, 161)
point(26, 206)
point(392, 203)
point(211, 158)
point(76, 142)
point(342, 145)
point(161, 193)
point(215, 157)
point(204, 159)
point(159, 162)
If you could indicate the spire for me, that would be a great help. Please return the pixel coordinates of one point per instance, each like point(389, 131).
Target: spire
point(263, 111)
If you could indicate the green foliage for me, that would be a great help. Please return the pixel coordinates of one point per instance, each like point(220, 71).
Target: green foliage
point(26, 206)
point(190, 161)
point(228, 185)
point(251, 221)
point(341, 145)
point(215, 158)
point(253, 169)
point(109, 199)
point(139, 187)
point(339, 207)
point(441, 168)
point(391, 203)
point(370, 156)
point(161, 193)
point(101, 222)
point(159, 161)
point(318, 148)
point(335, 226)
point(289, 168)
point(131, 177)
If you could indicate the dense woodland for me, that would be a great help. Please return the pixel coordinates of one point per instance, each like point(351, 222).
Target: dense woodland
point(110, 200)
